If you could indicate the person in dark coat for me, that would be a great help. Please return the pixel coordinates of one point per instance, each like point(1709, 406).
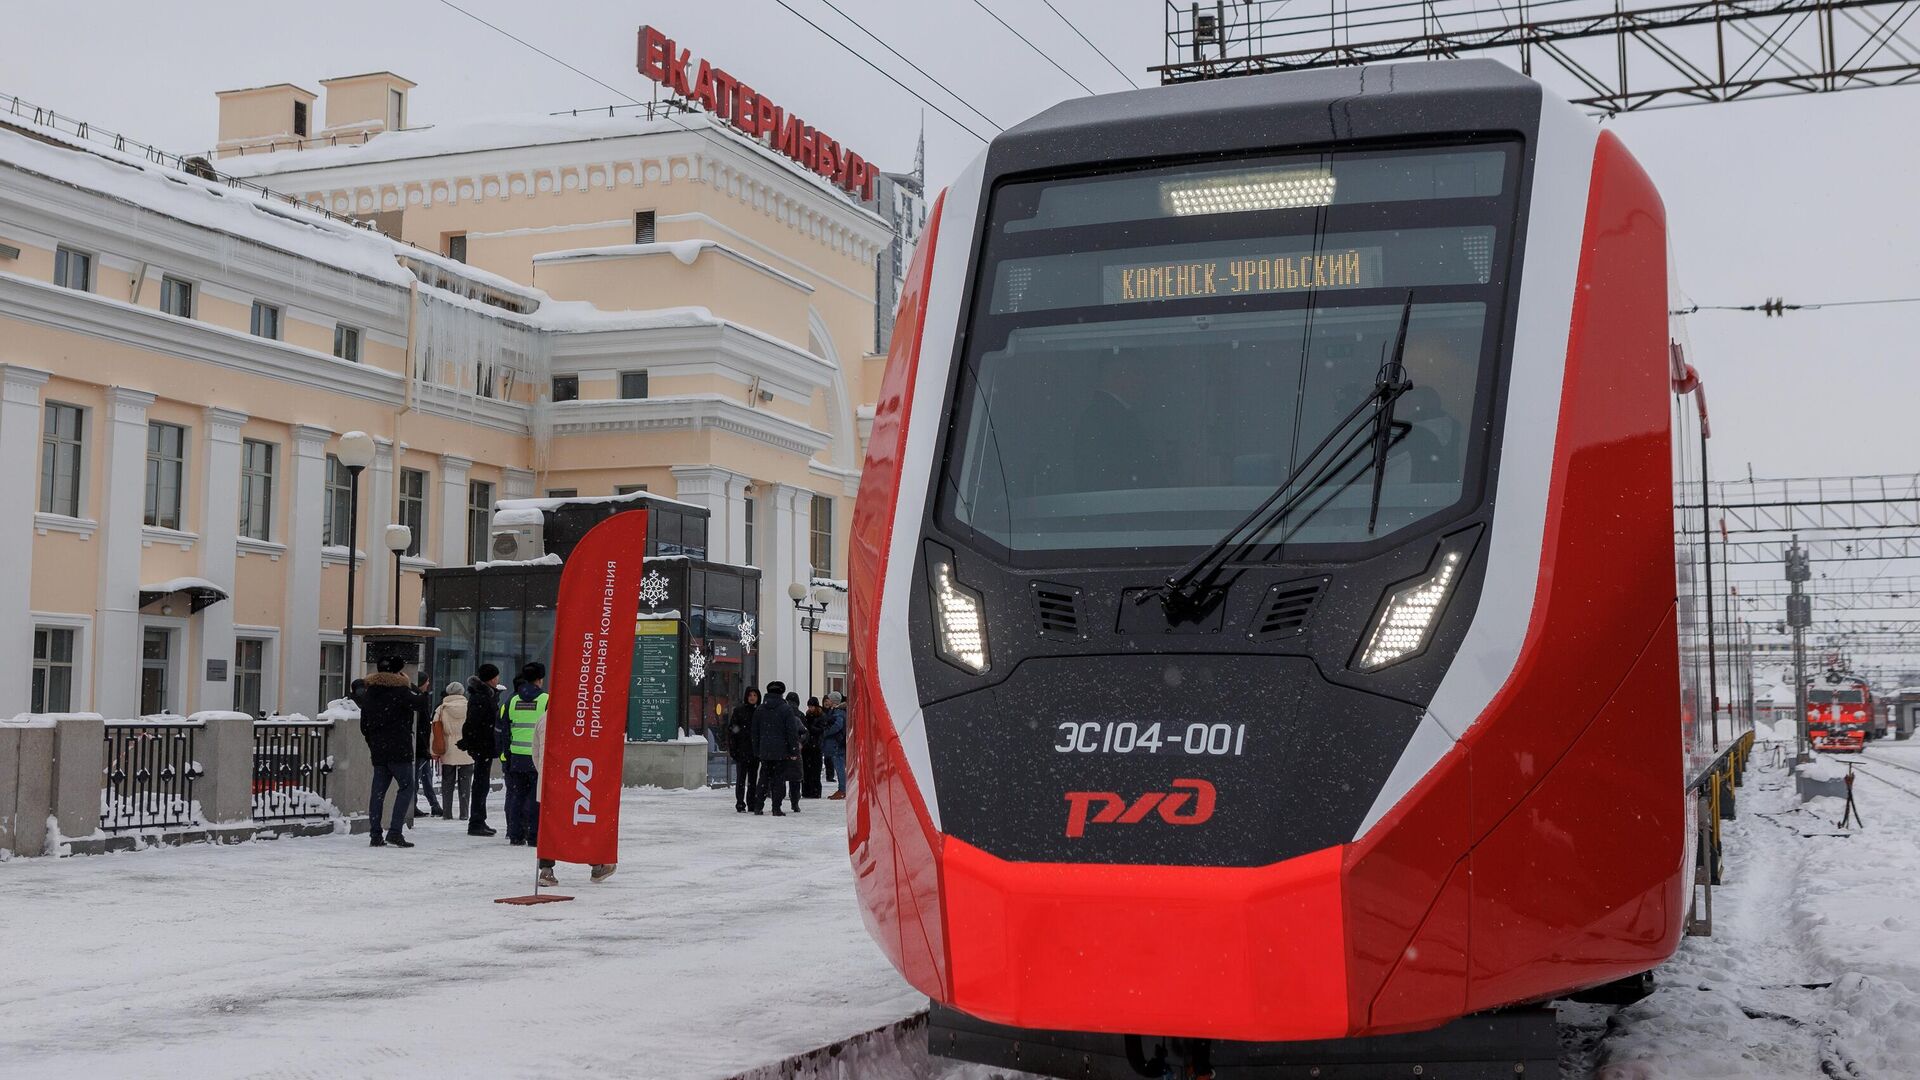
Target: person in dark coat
point(388, 708)
point(423, 749)
point(740, 749)
point(776, 742)
point(833, 744)
point(794, 772)
point(816, 724)
point(477, 739)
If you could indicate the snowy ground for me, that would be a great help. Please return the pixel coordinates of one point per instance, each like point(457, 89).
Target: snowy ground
point(726, 941)
point(729, 942)
point(1814, 966)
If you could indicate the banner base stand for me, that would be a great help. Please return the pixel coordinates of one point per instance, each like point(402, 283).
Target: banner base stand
point(549, 898)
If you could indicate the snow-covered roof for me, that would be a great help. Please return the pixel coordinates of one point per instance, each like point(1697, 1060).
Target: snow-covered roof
point(514, 131)
point(687, 251)
point(585, 500)
point(182, 584)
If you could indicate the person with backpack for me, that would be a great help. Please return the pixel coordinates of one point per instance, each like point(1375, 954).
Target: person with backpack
point(477, 739)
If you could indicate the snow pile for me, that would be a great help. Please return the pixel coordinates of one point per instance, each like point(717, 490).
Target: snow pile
point(549, 559)
point(217, 714)
point(340, 709)
point(48, 719)
point(1822, 768)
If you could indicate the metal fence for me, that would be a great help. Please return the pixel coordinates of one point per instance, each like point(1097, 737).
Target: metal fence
point(150, 772)
point(292, 761)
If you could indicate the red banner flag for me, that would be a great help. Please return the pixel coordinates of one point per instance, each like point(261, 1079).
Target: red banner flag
point(587, 687)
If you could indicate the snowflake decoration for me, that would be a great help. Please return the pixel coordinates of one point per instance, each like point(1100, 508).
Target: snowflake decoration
point(653, 589)
point(748, 635)
point(696, 664)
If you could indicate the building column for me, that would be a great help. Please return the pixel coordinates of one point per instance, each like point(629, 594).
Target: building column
point(306, 519)
point(219, 547)
point(452, 549)
point(723, 492)
point(116, 621)
point(21, 421)
point(783, 653)
point(375, 603)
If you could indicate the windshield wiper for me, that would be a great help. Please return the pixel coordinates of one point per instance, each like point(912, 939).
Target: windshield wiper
point(1186, 591)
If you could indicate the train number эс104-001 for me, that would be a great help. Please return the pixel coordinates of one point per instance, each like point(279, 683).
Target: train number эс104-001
point(1128, 737)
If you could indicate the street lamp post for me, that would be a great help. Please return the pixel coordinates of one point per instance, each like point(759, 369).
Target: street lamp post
point(399, 539)
point(354, 453)
point(809, 603)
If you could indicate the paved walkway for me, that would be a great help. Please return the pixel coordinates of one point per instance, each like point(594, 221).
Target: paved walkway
point(725, 941)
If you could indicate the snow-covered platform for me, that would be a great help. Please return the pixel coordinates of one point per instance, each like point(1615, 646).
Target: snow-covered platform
point(1813, 968)
point(725, 942)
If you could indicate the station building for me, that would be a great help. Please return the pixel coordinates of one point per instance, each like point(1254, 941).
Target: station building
point(552, 306)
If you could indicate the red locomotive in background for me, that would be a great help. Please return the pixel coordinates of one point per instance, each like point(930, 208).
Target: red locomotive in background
point(1840, 714)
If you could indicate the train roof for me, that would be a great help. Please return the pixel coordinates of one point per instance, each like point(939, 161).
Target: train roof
point(1281, 109)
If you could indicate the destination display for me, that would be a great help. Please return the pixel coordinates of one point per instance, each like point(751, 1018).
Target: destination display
point(653, 700)
point(1241, 275)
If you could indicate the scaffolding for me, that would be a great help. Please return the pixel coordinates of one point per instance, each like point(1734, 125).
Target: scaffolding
point(1607, 56)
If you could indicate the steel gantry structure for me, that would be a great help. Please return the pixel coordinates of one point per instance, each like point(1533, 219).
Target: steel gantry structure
point(1620, 57)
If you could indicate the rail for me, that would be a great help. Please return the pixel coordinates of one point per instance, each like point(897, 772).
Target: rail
point(149, 774)
point(292, 763)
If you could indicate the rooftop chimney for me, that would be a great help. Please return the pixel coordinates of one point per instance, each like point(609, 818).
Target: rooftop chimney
point(264, 118)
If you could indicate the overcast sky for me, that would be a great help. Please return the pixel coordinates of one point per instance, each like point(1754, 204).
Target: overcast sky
point(1811, 198)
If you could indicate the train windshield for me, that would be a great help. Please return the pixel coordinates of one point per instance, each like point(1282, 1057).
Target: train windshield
point(1152, 352)
point(1832, 697)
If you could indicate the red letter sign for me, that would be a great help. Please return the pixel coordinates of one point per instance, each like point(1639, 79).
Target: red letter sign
point(586, 738)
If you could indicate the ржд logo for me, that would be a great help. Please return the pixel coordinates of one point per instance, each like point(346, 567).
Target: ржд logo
point(1114, 810)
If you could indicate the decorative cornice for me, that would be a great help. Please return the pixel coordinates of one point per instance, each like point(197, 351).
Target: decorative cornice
point(694, 412)
point(310, 440)
point(453, 468)
point(128, 406)
point(224, 424)
point(21, 385)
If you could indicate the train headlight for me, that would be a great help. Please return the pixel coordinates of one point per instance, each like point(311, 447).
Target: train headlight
point(959, 616)
point(1407, 619)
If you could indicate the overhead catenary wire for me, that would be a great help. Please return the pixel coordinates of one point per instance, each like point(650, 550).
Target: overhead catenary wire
point(883, 71)
point(1776, 305)
point(1090, 44)
point(997, 125)
point(1029, 44)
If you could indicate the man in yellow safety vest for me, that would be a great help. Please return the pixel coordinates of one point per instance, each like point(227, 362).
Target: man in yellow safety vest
point(526, 717)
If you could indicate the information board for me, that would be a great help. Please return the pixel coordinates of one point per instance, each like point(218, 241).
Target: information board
point(653, 700)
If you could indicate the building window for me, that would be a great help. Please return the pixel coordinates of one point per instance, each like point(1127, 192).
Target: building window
point(156, 663)
point(643, 227)
point(166, 474)
point(633, 384)
point(256, 489)
point(628, 489)
point(822, 547)
point(60, 460)
point(300, 119)
point(456, 246)
point(266, 321)
point(566, 388)
point(333, 672)
point(73, 269)
point(249, 674)
point(52, 669)
point(346, 343)
point(479, 518)
point(746, 556)
point(176, 297)
point(337, 510)
point(413, 506)
point(562, 493)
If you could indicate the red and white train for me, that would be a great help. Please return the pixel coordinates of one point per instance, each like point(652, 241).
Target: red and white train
point(1263, 599)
